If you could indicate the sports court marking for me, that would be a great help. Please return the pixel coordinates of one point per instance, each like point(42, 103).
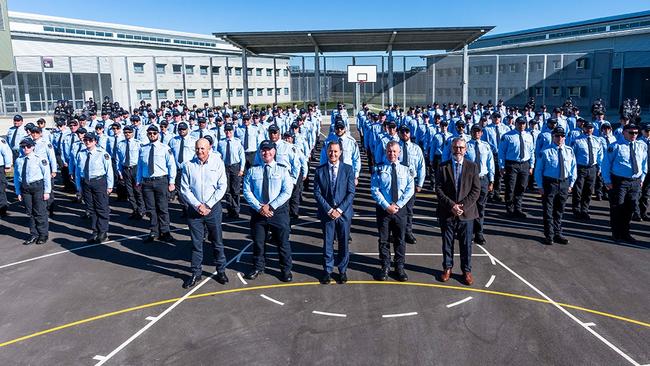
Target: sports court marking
point(399, 315)
point(329, 314)
point(272, 300)
point(459, 302)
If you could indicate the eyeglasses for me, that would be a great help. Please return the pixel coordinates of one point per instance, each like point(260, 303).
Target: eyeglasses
point(633, 132)
point(152, 133)
point(459, 147)
point(558, 135)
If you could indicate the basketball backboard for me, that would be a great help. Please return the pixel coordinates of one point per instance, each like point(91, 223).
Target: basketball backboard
point(362, 73)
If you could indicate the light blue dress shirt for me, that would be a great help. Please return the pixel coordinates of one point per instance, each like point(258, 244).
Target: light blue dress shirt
point(617, 161)
point(581, 150)
point(548, 164)
point(37, 168)
point(381, 181)
point(486, 165)
point(509, 148)
point(237, 154)
point(134, 153)
point(280, 185)
point(203, 183)
point(416, 164)
point(100, 165)
point(164, 163)
point(350, 154)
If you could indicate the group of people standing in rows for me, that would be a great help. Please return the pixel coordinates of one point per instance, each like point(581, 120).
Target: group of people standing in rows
point(207, 156)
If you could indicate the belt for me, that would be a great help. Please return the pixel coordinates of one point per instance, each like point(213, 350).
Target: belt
point(555, 180)
point(624, 178)
point(482, 176)
point(130, 167)
point(515, 162)
point(151, 179)
point(95, 179)
point(586, 166)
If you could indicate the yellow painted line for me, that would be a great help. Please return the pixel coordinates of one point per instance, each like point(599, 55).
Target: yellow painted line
point(301, 284)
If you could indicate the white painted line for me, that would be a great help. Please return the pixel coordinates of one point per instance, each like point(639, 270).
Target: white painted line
point(494, 263)
point(373, 253)
point(589, 324)
point(241, 278)
point(272, 300)
point(151, 318)
point(399, 315)
point(564, 311)
point(490, 281)
point(329, 314)
point(162, 315)
point(459, 302)
point(99, 358)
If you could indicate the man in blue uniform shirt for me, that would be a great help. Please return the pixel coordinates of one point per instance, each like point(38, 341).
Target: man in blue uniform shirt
point(127, 156)
point(492, 135)
point(516, 161)
point(480, 153)
point(249, 136)
point(234, 159)
point(94, 181)
point(644, 203)
point(156, 175)
point(33, 186)
point(6, 161)
point(412, 157)
point(589, 156)
point(391, 186)
point(267, 189)
point(556, 171)
point(203, 184)
point(624, 168)
point(15, 135)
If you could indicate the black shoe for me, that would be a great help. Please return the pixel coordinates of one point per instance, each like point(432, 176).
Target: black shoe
point(92, 239)
point(586, 216)
point(166, 237)
point(629, 239)
point(636, 217)
point(409, 238)
point(480, 240)
point(3, 212)
point(101, 238)
point(222, 278)
point(645, 217)
point(401, 275)
point(253, 274)
point(520, 215)
point(30, 241)
point(85, 215)
point(598, 198)
point(149, 238)
point(547, 241)
point(561, 240)
point(41, 240)
point(383, 274)
point(326, 279)
point(343, 277)
point(190, 282)
point(135, 216)
point(286, 277)
point(497, 199)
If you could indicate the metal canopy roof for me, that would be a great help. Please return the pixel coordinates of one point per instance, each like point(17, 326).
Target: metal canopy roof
point(356, 40)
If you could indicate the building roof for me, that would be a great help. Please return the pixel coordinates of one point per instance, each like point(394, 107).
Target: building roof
point(355, 40)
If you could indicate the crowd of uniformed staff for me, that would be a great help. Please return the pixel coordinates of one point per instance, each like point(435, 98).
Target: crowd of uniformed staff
point(208, 158)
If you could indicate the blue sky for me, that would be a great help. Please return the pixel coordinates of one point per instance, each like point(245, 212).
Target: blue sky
point(254, 15)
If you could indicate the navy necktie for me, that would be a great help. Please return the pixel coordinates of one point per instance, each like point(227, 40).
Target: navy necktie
point(498, 135)
point(127, 154)
point(477, 152)
point(341, 142)
point(591, 151)
point(200, 133)
point(228, 157)
point(405, 154)
point(13, 137)
point(87, 168)
point(246, 139)
point(181, 150)
point(635, 168)
point(151, 160)
point(393, 184)
point(522, 146)
point(58, 144)
point(114, 151)
point(23, 174)
point(265, 185)
point(560, 163)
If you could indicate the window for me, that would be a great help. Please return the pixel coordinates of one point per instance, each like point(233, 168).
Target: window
point(269, 92)
point(556, 91)
point(285, 72)
point(269, 72)
point(511, 91)
point(216, 70)
point(189, 69)
point(160, 68)
point(240, 92)
point(249, 72)
point(203, 70)
point(162, 94)
point(217, 93)
point(488, 69)
point(539, 91)
point(258, 72)
point(502, 68)
point(286, 91)
point(260, 92)
point(143, 94)
point(178, 93)
point(477, 70)
point(512, 67)
point(138, 68)
point(91, 33)
point(48, 29)
point(557, 64)
point(229, 71)
point(205, 93)
point(237, 71)
point(191, 93)
point(250, 92)
point(581, 63)
point(277, 91)
point(230, 91)
point(177, 68)
point(575, 91)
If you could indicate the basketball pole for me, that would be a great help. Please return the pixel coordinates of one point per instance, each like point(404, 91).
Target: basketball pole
point(357, 97)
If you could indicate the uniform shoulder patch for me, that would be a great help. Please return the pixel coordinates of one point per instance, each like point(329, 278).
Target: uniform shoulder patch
point(2, 141)
point(44, 162)
point(107, 157)
point(282, 165)
point(610, 149)
point(49, 146)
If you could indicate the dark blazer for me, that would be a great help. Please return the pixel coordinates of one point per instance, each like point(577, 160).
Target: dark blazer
point(341, 197)
point(470, 189)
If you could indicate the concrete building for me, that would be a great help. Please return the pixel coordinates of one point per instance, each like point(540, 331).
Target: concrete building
point(60, 58)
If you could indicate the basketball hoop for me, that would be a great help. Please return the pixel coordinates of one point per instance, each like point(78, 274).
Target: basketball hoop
point(362, 74)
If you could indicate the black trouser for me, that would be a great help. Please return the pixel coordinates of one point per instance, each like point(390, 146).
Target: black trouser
point(409, 214)
point(234, 188)
point(296, 197)
point(556, 192)
point(133, 195)
point(395, 224)
point(95, 197)
point(250, 159)
point(516, 179)
point(452, 228)
point(583, 188)
point(119, 185)
point(496, 191)
point(3, 190)
point(68, 185)
point(198, 225)
point(36, 208)
point(621, 204)
point(177, 191)
point(644, 202)
point(480, 205)
point(601, 189)
point(435, 163)
point(155, 192)
point(278, 224)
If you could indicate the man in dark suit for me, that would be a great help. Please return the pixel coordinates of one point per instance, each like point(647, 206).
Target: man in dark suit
point(334, 192)
point(458, 188)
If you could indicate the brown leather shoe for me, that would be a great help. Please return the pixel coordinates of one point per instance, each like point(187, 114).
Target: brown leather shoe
point(468, 279)
point(445, 275)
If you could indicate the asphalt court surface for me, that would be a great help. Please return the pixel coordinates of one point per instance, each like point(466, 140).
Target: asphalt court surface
point(121, 302)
